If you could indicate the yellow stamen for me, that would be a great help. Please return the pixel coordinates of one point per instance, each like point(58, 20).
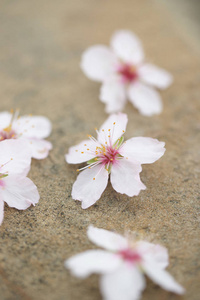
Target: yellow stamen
point(9, 128)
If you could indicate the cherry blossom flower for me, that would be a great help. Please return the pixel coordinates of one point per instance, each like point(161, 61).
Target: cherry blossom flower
point(16, 189)
point(124, 74)
point(122, 265)
point(109, 154)
point(32, 129)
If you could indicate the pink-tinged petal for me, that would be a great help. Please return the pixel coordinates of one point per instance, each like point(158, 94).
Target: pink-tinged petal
point(15, 157)
point(124, 178)
point(87, 189)
point(113, 94)
point(5, 118)
point(153, 252)
point(126, 283)
point(128, 47)
point(80, 153)
point(39, 148)
point(98, 62)
point(162, 278)
point(113, 128)
point(155, 76)
point(32, 127)
point(19, 192)
point(143, 150)
point(1, 211)
point(92, 261)
point(146, 99)
point(107, 239)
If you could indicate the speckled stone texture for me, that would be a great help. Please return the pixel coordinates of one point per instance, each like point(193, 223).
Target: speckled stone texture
point(40, 48)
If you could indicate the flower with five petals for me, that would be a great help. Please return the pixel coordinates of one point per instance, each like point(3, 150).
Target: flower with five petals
point(122, 265)
point(124, 74)
point(110, 155)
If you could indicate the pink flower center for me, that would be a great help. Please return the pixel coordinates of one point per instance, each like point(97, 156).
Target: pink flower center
point(128, 73)
point(107, 155)
point(130, 256)
point(7, 133)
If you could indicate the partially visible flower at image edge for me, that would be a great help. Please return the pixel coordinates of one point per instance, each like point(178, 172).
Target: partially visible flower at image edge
point(122, 265)
point(16, 189)
point(31, 129)
point(124, 74)
point(110, 155)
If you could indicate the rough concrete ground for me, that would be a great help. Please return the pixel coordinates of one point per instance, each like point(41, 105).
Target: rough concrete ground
point(41, 43)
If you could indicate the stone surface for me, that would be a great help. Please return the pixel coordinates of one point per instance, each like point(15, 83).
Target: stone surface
point(41, 43)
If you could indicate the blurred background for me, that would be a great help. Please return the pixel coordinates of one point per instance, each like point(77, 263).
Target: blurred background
point(186, 14)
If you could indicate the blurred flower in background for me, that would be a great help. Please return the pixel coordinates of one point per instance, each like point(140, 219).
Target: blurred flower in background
point(124, 74)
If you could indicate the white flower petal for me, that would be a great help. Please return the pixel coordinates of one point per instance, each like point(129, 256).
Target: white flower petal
point(5, 118)
point(146, 99)
point(15, 157)
point(143, 150)
point(92, 261)
point(19, 192)
point(127, 46)
point(98, 62)
point(126, 283)
point(124, 178)
point(155, 76)
point(162, 278)
point(107, 239)
point(32, 126)
point(79, 153)
point(88, 190)
point(39, 148)
point(153, 252)
point(114, 95)
point(1, 211)
point(113, 128)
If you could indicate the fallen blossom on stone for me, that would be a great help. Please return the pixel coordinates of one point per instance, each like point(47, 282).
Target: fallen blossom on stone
point(110, 155)
point(16, 189)
point(124, 74)
point(31, 129)
point(122, 265)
